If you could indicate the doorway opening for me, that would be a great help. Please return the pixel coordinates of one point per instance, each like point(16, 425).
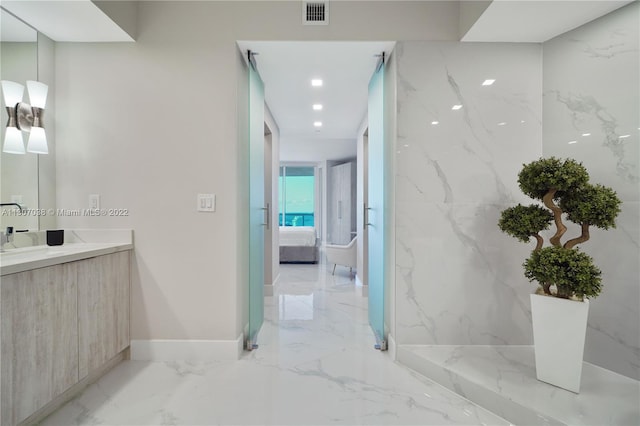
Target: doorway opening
point(324, 143)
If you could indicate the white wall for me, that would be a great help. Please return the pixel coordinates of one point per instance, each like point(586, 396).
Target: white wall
point(361, 197)
point(275, 166)
point(591, 85)
point(459, 280)
point(151, 124)
point(47, 163)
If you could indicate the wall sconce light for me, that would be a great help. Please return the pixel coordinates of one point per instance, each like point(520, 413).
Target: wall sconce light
point(25, 117)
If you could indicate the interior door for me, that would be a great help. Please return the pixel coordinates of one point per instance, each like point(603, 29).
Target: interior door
point(375, 217)
point(257, 208)
point(268, 198)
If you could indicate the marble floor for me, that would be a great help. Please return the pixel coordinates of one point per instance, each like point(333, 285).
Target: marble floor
point(315, 365)
point(503, 379)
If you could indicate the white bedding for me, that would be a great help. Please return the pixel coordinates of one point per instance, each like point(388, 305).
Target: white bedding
point(297, 236)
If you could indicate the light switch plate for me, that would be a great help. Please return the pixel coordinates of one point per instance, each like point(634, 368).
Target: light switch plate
point(94, 201)
point(206, 203)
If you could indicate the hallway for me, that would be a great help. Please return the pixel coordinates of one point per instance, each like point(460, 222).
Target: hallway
point(315, 366)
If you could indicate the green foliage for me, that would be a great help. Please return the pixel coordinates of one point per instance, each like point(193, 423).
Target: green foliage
point(572, 271)
point(595, 205)
point(522, 222)
point(537, 178)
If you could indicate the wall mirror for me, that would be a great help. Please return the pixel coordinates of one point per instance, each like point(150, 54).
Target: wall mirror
point(18, 172)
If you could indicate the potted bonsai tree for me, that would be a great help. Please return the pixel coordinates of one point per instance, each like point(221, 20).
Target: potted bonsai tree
point(567, 277)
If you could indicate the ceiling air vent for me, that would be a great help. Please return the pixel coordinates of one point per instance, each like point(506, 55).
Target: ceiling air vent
point(315, 12)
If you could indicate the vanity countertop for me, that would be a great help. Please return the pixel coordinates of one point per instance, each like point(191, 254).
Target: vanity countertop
point(83, 245)
point(28, 258)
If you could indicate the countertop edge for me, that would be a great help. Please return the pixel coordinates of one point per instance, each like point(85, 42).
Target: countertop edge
point(109, 248)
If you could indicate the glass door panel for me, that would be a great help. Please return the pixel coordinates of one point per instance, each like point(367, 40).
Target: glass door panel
point(257, 209)
point(375, 217)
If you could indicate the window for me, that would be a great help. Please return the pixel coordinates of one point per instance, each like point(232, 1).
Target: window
point(297, 195)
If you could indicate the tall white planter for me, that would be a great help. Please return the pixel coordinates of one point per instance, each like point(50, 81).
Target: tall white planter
point(559, 329)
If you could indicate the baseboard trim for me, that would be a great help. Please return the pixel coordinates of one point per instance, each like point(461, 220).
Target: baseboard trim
point(392, 348)
point(268, 290)
point(186, 350)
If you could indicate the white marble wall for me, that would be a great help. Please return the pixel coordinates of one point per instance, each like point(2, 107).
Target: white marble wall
point(459, 280)
point(591, 99)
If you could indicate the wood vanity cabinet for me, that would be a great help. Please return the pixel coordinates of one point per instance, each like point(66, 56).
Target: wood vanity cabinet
point(103, 310)
point(39, 360)
point(58, 324)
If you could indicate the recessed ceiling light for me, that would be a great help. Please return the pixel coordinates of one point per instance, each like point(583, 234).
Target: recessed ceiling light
point(572, 142)
point(317, 123)
point(316, 82)
point(502, 124)
point(317, 107)
point(586, 134)
point(624, 136)
point(456, 107)
point(521, 121)
point(435, 123)
point(488, 82)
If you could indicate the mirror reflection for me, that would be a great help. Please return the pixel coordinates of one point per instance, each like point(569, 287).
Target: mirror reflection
point(18, 172)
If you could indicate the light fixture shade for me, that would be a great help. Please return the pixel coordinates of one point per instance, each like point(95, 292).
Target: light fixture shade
point(37, 93)
point(13, 143)
point(37, 141)
point(12, 92)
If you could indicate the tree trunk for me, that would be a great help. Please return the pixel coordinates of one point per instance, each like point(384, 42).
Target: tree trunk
point(547, 288)
point(581, 239)
point(539, 242)
point(563, 294)
point(557, 216)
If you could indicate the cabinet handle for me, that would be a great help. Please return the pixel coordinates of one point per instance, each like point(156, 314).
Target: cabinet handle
point(267, 211)
point(365, 216)
point(339, 209)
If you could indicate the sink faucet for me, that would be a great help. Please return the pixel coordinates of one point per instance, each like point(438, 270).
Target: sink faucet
point(11, 204)
point(7, 236)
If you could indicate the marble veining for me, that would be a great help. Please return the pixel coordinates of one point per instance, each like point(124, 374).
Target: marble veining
point(457, 279)
point(591, 113)
point(466, 106)
point(605, 49)
point(317, 367)
point(504, 378)
point(583, 104)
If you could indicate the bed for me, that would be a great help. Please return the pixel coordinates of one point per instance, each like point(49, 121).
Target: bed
point(298, 244)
